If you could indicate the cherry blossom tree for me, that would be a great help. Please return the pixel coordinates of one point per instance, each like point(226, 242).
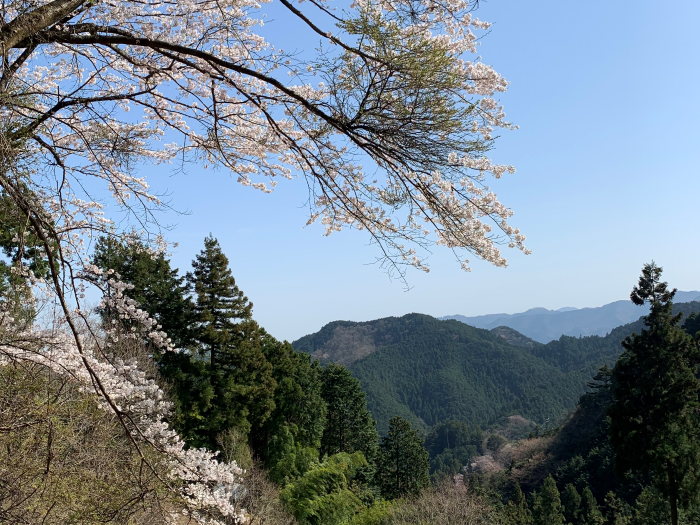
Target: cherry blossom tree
point(92, 90)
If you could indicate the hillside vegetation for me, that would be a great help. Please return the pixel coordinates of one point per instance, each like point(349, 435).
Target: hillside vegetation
point(428, 371)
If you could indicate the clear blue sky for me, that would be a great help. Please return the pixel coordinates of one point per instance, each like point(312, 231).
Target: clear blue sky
point(606, 96)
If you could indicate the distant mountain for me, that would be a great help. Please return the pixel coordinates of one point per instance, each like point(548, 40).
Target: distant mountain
point(427, 370)
point(544, 325)
point(433, 370)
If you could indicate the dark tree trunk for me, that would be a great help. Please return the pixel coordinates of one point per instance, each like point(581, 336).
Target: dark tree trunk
point(673, 495)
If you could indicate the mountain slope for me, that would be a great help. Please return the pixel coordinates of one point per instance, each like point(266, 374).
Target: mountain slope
point(545, 325)
point(427, 370)
point(447, 370)
point(434, 370)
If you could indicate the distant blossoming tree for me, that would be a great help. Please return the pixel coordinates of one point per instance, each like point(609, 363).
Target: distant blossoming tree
point(91, 90)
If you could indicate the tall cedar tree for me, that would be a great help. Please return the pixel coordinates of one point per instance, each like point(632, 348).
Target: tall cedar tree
point(161, 292)
point(300, 411)
point(655, 414)
point(590, 513)
point(547, 508)
point(230, 341)
point(517, 511)
point(403, 463)
point(571, 500)
point(349, 425)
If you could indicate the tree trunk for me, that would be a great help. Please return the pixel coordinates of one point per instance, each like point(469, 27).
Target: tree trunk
point(673, 495)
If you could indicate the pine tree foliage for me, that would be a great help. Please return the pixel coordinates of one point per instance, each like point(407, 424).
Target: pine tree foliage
point(223, 312)
point(590, 513)
point(239, 374)
point(547, 508)
point(157, 287)
point(299, 416)
point(655, 414)
point(616, 511)
point(403, 462)
point(349, 425)
point(571, 500)
point(517, 511)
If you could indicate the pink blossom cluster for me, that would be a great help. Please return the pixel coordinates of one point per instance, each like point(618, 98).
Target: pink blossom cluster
point(206, 485)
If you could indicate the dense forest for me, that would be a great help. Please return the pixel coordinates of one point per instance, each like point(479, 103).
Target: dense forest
point(430, 421)
point(430, 371)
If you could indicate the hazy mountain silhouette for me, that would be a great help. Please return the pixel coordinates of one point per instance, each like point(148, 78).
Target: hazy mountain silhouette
point(544, 325)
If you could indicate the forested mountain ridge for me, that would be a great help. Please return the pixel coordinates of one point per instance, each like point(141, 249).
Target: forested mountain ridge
point(545, 325)
point(427, 370)
point(447, 370)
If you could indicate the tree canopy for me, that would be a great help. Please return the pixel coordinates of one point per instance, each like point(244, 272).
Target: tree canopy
point(655, 414)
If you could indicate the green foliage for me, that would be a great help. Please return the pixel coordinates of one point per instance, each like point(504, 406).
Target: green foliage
point(403, 463)
point(349, 425)
point(226, 336)
point(655, 414)
point(590, 513)
point(22, 249)
point(323, 495)
point(296, 423)
point(157, 287)
point(451, 445)
point(229, 374)
point(442, 370)
point(377, 514)
point(692, 324)
point(617, 512)
point(547, 508)
point(571, 500)
point(517, 511)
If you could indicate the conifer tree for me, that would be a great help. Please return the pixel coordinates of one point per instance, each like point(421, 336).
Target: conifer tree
point(229, 339)
point(655, 414)
point(547, 508)
point(299, 416)
point(590, 513)
point(157, 287)
point(223, 312)
point(571, 500)
point(517, 511)
point(692, 324)
point(615, 510)
point(349, 425)
point(164, 294)
point(403, 463)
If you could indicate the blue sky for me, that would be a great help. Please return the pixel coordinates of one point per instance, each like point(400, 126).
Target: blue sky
point(606, 96)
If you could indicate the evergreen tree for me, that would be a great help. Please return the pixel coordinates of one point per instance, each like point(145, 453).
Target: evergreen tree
point(21, 248)
point(517, 511)
point(692, 324)
point(223, 312)
point(299, 416)
point(164, 294)
point(349, 425)
point(547, 508)
point(157, 287)
point(615, 510)
point(590, 514)
point(655, 414)
point(403, 463)
point(571, 500)
point(452, 445)
point(230, 342)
